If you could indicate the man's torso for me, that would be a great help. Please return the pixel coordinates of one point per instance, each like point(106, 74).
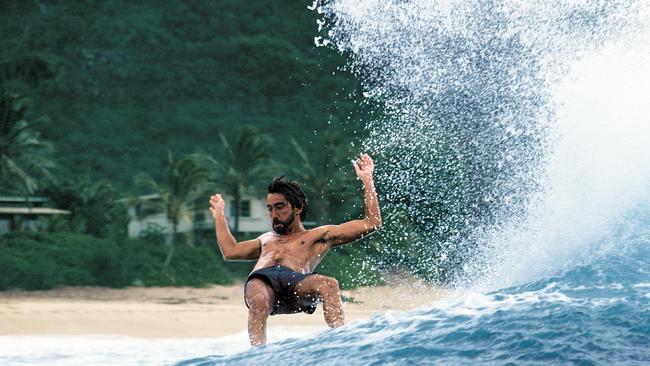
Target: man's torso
point(300, 251)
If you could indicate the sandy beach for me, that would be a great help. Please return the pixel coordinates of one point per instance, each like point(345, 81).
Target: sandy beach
point(176, 312)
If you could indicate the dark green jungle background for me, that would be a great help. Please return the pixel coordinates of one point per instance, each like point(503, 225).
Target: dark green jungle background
point(98, 93)
point(134, 80)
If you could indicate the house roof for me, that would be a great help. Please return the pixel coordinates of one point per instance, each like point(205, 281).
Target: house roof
point(32, 211)
point(23, 199)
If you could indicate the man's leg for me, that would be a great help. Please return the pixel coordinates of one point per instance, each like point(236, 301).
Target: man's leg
point(326, 288)
point(260, 298)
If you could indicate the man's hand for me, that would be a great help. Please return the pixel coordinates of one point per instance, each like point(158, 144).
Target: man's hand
point(230, 249)
point(217, 205)
point(364, 167)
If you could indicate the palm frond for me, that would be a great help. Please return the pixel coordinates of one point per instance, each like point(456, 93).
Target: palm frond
point(148, 183)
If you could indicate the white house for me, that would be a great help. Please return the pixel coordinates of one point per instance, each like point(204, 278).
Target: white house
point(25, 213)
point(253, 218)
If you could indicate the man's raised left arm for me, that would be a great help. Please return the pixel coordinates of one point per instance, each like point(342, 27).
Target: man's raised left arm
point(356, 229)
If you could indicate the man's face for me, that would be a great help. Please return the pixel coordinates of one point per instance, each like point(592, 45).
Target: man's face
point(281, 213)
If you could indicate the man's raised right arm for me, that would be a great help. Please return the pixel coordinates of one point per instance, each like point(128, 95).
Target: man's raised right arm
point(230, 249)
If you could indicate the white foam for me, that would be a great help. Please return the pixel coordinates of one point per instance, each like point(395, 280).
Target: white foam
point(598, 169)
point(120, 350)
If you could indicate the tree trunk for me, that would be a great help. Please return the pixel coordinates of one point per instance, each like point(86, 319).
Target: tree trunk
point(237, 211)
point(172, 244)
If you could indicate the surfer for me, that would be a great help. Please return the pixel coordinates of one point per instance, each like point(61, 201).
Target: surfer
point(282, 281)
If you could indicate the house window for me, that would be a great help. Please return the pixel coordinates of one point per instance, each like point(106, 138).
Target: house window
point(244, 209)
point(31, 224)
point(5, 225)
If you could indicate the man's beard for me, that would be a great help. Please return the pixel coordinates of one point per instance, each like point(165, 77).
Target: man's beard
point(284, 225)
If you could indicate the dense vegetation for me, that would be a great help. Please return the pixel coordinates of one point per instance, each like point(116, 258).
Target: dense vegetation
point(134, 80)
point(101, 102)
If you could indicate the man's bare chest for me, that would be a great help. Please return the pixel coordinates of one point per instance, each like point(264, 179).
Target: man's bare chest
point(294, 244)
point(287, 244)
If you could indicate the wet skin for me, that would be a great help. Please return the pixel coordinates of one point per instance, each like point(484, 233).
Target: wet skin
point(292, 246)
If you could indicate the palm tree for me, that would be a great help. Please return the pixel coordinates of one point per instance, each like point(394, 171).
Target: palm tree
point(23, 155)
point(240, 163)
point(95, 207)
point(176, 194)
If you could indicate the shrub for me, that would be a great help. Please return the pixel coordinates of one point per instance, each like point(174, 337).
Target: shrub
point(42, 260)
point(35, 261)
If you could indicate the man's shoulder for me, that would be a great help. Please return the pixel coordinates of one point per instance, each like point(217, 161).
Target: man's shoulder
point(266, 235)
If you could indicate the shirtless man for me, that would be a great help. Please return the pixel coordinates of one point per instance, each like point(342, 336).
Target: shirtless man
point(282, 281)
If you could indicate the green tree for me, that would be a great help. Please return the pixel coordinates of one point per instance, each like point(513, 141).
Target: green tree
point(31, 69)
point(177, 193)
point(241, 164)
point(96, 208)
point(24, 156)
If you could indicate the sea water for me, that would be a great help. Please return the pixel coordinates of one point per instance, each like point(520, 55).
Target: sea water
point(593, 313)
point(60, 350)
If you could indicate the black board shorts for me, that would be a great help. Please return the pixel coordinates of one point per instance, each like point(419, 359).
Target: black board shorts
point(283, 280)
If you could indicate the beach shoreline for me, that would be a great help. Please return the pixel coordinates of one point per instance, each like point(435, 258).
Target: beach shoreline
point(177, 312)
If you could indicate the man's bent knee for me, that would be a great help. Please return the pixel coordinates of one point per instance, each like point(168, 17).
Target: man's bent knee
point(259, 296)
point(329, 291)
point(329, 286)
point(259, 303)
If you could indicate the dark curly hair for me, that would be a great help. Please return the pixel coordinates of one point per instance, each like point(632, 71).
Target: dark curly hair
point(292, 192)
